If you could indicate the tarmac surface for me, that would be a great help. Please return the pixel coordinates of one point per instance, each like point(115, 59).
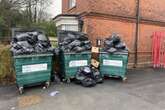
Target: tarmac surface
point(144, 90)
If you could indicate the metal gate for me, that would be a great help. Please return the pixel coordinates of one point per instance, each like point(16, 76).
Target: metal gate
point(158, 49)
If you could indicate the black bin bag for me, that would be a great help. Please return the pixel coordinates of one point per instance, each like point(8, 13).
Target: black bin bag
point(30, 42)
point(71, 41)
point(114, 44)
point(88, 76)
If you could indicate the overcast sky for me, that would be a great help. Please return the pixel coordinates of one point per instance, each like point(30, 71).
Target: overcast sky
point(55, 8)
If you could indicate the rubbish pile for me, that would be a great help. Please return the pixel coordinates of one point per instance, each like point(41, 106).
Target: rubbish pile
point(88, 76)
point(74, 42)
point(114, 44)
point(29, 43)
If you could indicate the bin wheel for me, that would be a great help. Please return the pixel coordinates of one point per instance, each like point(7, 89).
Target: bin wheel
point(68, 80)
point(47, 84)
point(20, 90)
point(63, 80)
point(124, 79)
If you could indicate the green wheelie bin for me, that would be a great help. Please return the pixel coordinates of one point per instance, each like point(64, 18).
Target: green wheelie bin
point(114, 65)
point(32, 69)
point(71, 62)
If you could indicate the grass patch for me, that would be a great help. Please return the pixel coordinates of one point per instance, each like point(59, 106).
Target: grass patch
point(6, 67)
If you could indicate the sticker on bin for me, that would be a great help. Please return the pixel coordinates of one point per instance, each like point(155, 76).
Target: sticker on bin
point(78, 63)
point(34, 68)
point(113, 63)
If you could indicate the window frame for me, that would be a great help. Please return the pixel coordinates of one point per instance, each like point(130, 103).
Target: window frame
point(72, 4)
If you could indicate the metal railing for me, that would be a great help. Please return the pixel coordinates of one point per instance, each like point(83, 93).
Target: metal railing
point(5, 40)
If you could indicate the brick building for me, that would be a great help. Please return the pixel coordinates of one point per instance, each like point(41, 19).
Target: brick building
point(134, 20)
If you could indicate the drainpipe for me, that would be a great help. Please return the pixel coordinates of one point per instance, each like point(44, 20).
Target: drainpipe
point(80, 23)
point(137, 32)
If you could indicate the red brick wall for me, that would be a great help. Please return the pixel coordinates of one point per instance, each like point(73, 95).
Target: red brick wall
point(99, 27)
point(81, 6)
point(145, 41)
point(150, 9)
point(153, 9)
point(114, 7)
point(65, 6)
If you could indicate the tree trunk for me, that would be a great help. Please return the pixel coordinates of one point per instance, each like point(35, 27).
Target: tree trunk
point(30, 11)
point(35, 11)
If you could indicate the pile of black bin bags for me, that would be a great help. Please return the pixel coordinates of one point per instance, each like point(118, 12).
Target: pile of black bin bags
point(113, 44)
point(88, 76)
point(30, 43)
point(76, 42)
